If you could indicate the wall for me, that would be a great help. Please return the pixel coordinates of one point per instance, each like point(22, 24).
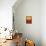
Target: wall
point(43, 22)
point(29, 8)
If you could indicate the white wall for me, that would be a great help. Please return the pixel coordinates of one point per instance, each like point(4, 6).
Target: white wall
point(29, 8)
point(6, 13)
point(43, 22)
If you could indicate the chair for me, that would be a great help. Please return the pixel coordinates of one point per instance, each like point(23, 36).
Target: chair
point(18, 39)
point(29, 43)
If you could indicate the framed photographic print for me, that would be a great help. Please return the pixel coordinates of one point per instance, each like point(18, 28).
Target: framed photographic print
point(28, 19)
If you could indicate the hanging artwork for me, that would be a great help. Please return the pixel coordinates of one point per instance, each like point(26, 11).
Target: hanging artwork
point(28, 19)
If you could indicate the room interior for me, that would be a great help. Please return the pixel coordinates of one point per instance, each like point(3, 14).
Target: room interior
point(23, 23)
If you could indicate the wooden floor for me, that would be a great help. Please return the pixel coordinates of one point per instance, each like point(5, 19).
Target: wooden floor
point(9, 43)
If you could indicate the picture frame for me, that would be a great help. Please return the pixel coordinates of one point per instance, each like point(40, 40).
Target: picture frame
point(28, 19)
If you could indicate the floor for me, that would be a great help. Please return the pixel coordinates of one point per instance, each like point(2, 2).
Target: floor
point(9, 43)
